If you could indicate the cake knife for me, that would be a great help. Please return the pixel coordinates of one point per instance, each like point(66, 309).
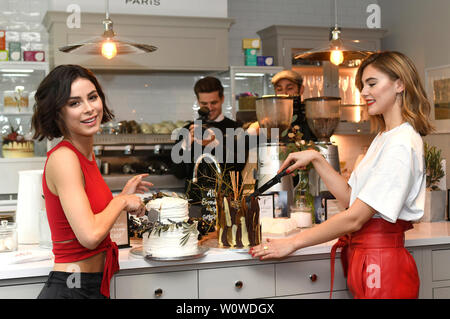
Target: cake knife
point(275, 180)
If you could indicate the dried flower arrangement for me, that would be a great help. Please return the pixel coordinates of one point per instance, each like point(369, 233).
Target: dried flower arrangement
point(238, 223)
point(236, 219)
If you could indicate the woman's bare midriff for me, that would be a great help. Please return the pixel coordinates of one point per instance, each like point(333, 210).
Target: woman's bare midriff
point(94, 263)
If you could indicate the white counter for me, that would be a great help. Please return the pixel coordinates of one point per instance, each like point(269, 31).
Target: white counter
point(423, 234)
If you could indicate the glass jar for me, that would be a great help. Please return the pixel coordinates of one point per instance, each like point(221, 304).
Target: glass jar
point(8, 236)
point(301, 212)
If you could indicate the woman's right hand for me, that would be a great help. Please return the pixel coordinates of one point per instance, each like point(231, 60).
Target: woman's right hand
point(133, 204)
point(298, 160)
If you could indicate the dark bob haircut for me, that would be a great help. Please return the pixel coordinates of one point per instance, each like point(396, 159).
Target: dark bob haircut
point(53, 94)
point(207, 85)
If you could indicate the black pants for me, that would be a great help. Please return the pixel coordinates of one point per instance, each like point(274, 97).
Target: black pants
point(67, 285)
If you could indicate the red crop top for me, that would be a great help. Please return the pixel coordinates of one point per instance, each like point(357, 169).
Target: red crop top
point(99, 196)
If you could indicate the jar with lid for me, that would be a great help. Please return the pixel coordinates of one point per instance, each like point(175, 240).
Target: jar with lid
point(301, 212)
point(8, 236)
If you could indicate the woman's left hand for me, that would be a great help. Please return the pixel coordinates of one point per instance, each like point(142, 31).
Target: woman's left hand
point(273, 248)
point(136, 184)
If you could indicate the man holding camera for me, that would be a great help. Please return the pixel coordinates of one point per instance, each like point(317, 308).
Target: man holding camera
point(209, 134)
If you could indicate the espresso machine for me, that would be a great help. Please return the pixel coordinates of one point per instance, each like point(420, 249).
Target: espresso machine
point(274, 115)
point(121, 156)
point(323, 115)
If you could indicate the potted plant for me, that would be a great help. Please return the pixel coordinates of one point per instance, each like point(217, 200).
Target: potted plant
point(435, 198)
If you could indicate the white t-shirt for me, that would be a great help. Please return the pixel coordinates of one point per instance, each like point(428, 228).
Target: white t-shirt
point(391, 176)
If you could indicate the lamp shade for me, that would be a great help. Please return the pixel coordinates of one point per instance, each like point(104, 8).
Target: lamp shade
point(94, 46)
point(349, 51)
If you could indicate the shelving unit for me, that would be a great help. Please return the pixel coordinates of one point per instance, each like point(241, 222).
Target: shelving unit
point(28, 75)
point(240, 79)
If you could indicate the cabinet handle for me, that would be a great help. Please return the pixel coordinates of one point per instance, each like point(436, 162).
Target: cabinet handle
point(239, 284)
point(158, 292)
point(313, 277)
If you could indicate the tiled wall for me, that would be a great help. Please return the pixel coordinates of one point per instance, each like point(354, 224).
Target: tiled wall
point(150, 97)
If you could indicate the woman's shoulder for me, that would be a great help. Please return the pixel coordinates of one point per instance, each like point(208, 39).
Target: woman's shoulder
point(405, 135)
point(63, 157)
point(405, 140)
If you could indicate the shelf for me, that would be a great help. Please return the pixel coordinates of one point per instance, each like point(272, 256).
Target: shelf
point(352, 128)
point(15, 114)
point(35, 159)
point(126, 139)
point(24, 65)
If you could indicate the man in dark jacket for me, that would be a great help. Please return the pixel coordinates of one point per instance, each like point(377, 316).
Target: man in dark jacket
point(215, 135)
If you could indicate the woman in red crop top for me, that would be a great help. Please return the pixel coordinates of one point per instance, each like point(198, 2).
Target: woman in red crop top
point(80, 207)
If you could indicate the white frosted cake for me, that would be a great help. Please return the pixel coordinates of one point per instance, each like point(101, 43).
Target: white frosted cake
point(172, 236)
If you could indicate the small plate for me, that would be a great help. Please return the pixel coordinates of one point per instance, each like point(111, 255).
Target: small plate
point(201, 252)
point(137, 252)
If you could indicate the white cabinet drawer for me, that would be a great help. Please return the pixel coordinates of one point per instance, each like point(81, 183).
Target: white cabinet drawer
point(30, 291)
point(237, 282)
point(340, 294)
point(441, 293)
point(308, 277)
point(173, 285)
point(441, 262)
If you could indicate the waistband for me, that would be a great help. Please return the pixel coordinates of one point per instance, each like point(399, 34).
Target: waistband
point(376, 233)
point(73, 251)
point(88, 279)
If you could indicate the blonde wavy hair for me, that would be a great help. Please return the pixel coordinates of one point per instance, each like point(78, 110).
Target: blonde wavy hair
point(415, 105)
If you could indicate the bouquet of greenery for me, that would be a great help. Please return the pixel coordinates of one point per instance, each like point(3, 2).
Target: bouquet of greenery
point(296, 144)
point(434, 169)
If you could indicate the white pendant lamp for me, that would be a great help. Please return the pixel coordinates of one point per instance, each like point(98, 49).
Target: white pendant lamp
point(336, 51)
point(108, 45)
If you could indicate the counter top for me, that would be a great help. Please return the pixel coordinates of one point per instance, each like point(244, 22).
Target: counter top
point(423, 234)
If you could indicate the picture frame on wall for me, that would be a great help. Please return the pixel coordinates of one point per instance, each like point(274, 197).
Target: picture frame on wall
point(437, 83)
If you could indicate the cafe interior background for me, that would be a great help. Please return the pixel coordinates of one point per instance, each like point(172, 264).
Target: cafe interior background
point(154, 91)
point(157, 93)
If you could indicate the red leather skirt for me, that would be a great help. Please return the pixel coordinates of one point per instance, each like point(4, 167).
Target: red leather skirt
point(376, 263)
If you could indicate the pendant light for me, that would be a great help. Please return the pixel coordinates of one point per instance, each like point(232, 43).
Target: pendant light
point(108, 45)
point(336, 51)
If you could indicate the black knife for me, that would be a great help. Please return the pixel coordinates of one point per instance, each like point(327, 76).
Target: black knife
point(275, 180)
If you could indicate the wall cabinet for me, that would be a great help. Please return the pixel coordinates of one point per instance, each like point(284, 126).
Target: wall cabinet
point(184, 43)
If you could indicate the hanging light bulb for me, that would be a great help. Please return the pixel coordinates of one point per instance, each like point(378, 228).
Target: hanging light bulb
point(108, 45)
point(336, 57)
point(335, 50)
point(109, 49)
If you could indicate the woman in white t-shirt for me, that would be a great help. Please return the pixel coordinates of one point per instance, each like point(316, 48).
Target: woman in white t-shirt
point(384, 193)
